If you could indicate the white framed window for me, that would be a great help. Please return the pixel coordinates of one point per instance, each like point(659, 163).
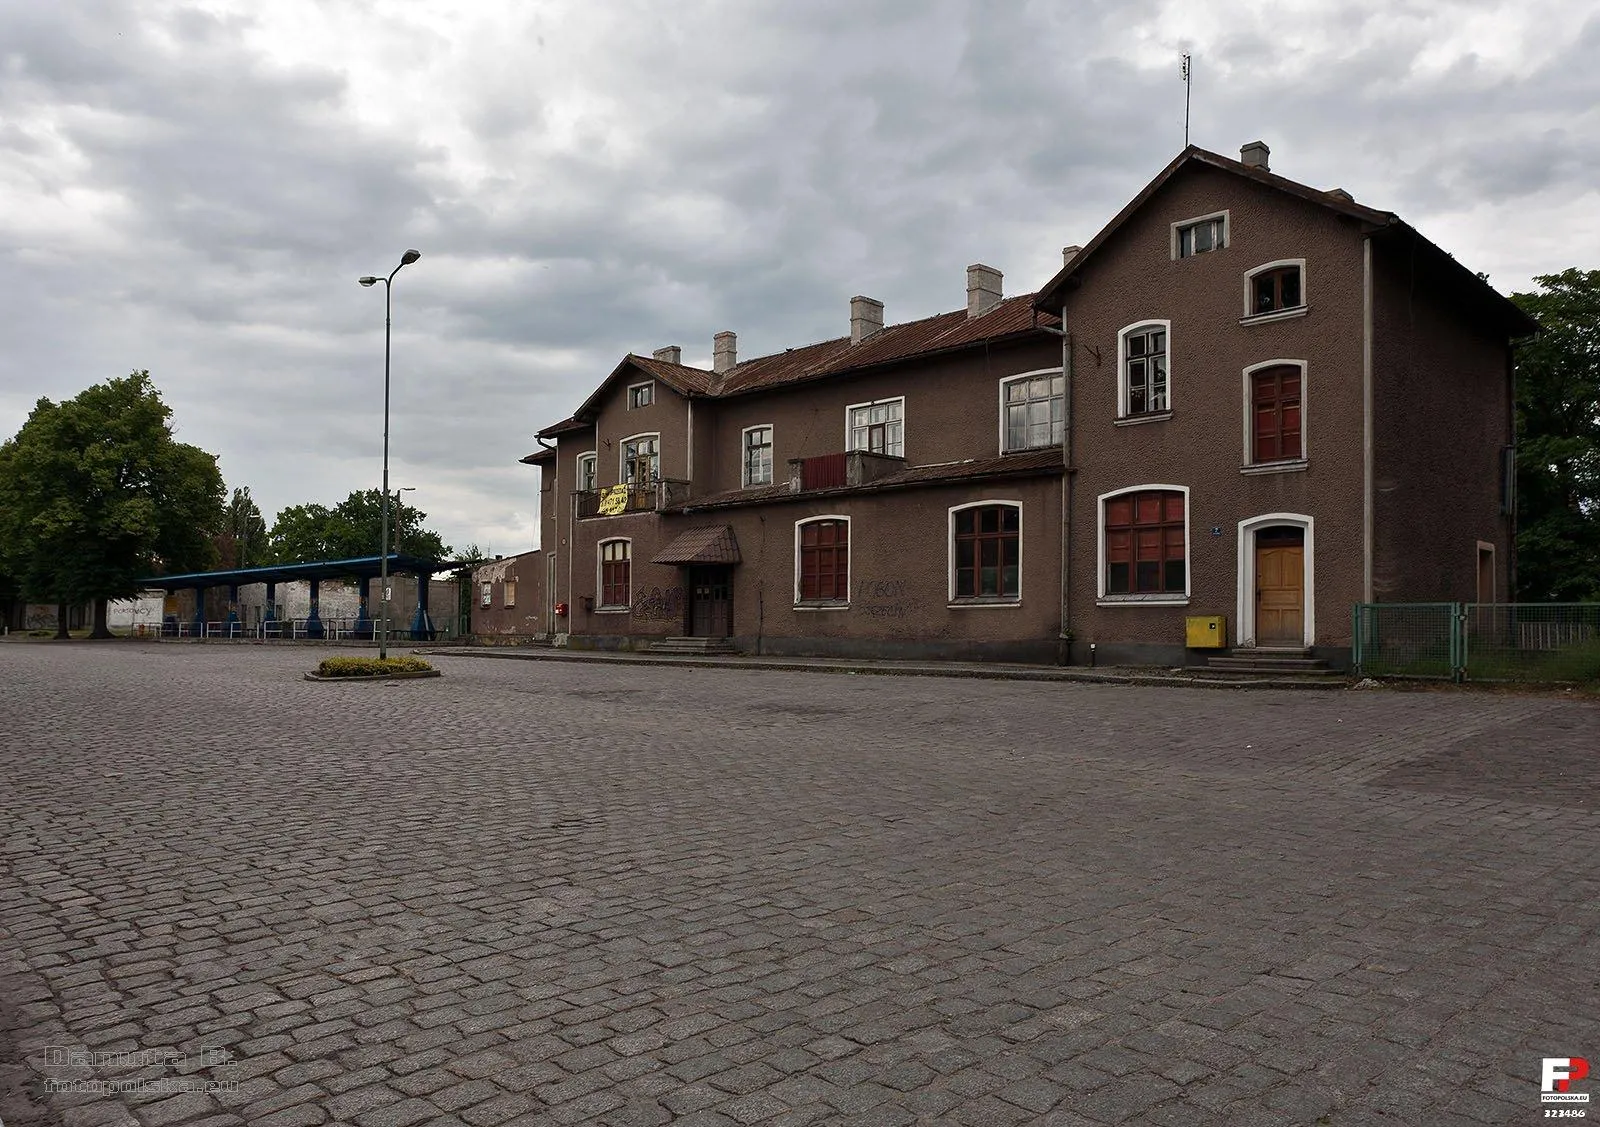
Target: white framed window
point(878, 427)
point(1144, 371)
point(1274, 417)
point(641, 459)
point(1033, 410)
point(641, 394)
point(822, 562)
point(511, 592)
point(1200, 235)
point(1274, 291)
point(588, 466)
point(615, 579)
point(486, 594)
point(1144, 545)
point(985, 552)
point(755, 444)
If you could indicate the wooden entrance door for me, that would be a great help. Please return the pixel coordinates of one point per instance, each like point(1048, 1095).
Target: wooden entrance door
point(710, 602)
point(1280, 587)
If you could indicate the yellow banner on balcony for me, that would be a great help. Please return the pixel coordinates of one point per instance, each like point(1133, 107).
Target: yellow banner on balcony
point(613, 501)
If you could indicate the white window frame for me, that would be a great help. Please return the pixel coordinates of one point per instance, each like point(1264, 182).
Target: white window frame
point(622, 456)
point(486, 593)
point(508, 590)
point(744, 455)
point(850, 410)
point(1253, 318)
point(849, 562)
point(1161, 599)
point(1245, 610)
point(647, 385)
point(1195, 221)
point(594, 460)
point(1247, 463)
point(600, 607)
point(1005, 449)
point(969, 601)
point(1122, 416)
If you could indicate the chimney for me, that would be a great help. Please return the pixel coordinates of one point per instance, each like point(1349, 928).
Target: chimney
point(725, 351)
point(671, 354)
point(1069, 253)
point(1254, 155)
point(866, 318)
point(983, 289)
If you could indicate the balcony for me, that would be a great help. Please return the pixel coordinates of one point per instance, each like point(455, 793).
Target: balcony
point(835, 471)
point(631, 497)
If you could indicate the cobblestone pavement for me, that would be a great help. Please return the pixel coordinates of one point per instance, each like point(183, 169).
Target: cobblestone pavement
point(541, 893)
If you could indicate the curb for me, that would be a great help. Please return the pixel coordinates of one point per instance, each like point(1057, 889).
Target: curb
point(973, 672)
point(410, 675)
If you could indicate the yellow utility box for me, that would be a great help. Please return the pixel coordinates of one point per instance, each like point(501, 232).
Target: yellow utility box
point(1206, 632)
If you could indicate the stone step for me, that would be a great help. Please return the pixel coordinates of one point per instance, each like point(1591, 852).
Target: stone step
point(1279, 671)
point(1225, 661)
point(693, 646)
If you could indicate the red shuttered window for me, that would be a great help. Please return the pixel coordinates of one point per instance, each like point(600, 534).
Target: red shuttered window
point(825, 561)
point(1275, 415)
point(1145, 553)
point(616, 566)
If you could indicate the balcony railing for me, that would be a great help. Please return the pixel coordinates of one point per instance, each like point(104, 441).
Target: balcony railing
point(631, 497)
point(836, 471)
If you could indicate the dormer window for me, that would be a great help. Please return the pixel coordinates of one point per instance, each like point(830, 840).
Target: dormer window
point(641, 395)
point(1201, 235)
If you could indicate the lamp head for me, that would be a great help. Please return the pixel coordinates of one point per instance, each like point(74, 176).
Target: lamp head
point(369, 280)
point(409, 257)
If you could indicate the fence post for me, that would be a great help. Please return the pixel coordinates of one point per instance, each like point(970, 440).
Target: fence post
point(1458, 643)
point(1355, 638)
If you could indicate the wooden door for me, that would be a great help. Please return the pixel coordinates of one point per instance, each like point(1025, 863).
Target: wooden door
point(710, 602)
point(1280, 588)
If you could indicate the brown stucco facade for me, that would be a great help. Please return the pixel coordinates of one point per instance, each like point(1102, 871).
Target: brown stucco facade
point(1392, 359)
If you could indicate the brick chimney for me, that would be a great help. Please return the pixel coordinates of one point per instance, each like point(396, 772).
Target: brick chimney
point(1254, 155)
point(725, 351)
point(1069, 253)
point(866, 318)
point(671, 354)
point(983, 289)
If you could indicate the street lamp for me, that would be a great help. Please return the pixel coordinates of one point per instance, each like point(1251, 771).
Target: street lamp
point(406, 259)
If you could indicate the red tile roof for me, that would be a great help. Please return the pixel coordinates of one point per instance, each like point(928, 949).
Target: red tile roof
point(710, 544)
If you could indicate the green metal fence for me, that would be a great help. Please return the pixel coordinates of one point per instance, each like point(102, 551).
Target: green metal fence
point(1478, 641)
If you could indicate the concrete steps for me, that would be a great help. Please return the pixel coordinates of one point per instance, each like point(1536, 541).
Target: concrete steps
point(693, 647)
point(1270, 663)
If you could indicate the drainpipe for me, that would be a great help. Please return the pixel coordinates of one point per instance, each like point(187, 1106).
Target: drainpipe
point(1065, 635)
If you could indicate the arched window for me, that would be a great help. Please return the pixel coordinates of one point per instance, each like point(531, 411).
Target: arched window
point(1144, 374)
point(986, 551)
point(1145, 543)
point(822, 560)
point(616, 574)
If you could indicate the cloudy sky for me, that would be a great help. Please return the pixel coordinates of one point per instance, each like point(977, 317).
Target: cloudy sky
point(194, 188)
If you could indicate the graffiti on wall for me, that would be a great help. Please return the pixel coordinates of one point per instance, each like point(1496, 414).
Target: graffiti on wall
point(658, 604)
point(883, 600)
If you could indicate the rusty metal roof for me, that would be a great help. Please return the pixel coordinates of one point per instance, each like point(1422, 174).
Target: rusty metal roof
point(543, 454)
point(565, 426)
point(710, 544)
point(1033, 463)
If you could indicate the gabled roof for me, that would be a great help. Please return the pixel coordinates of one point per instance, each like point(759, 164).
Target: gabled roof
point(1012, 318)
point(1050, 296)
point(543, 454)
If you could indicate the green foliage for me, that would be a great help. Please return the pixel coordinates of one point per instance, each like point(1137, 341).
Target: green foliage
point(1558, 441)
point(370, 666)
point(243, 539)
point(95, 494)
point(351, 529)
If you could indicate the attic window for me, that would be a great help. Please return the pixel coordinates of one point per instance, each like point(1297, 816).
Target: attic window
point(641, 395)
point(1200, 236)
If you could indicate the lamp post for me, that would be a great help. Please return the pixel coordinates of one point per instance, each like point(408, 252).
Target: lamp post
point(406, 259)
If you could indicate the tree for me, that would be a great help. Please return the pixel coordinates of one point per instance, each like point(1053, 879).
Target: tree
point(1558, 440)
point(95, 493)
point(243, 539)
point(351, 529)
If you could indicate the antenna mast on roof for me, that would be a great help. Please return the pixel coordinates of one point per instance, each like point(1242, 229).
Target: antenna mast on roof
point(1187, 76)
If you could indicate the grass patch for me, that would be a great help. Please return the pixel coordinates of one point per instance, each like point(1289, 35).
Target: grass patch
point(370, 666)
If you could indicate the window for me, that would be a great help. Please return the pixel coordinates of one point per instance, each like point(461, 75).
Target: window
point(822, 562)
point(1200, 236)
point(511, 592)
point(1275, 289)
point(757, 455)
point(1145, 543)
point(1033, 411)
point(587, 464)
point(879, 427)
point(616, 574)
point(1275, 414)
point(1142, 351)
point(986, 547)
point(641, 395)
point(641, 459)
point(485, 594)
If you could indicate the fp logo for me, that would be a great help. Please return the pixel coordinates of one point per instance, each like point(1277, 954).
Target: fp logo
point(1556, 1075)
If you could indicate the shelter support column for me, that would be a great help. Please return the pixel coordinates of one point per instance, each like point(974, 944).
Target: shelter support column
point(421, 624)
point(269, 613)
point(363, 614)
point(199, 624)
point(314, 619)
point(233, 609)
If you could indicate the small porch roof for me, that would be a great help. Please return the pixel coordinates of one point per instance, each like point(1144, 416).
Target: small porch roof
point(710, 544)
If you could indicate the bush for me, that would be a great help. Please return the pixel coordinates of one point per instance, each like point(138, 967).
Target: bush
point(370, 666)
